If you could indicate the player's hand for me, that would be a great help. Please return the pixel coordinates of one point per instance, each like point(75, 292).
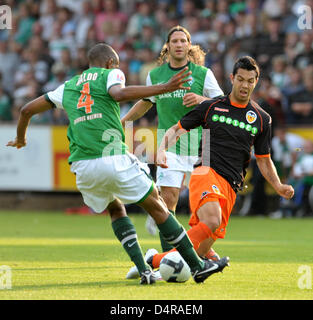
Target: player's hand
point(286, 191)
point(178, 80)
point(18, 144)
point(161, 159)
point(191, 99)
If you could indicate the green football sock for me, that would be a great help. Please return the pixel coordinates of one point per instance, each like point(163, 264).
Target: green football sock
point(175, 234)
point(125, 232)
point(164, 244)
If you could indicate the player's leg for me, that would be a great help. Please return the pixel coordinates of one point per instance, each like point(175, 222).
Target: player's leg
point(174, 233)
point(201, 234)
point(125, 232)
point(205, 250)
point(97, 180)
point(170, 195)
point(206, 196)
point(169, 182)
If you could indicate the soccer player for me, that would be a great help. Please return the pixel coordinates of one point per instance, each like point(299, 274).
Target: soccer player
point(232, 125)
point(106, 174)
point(177, 53)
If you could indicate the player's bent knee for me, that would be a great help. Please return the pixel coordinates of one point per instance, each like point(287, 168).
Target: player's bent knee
point(170, 196)
point(116, 209)
point(210, 214)
point(155, 207)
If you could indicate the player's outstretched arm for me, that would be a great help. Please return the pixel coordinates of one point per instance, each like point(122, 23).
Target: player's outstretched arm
point(120, 93)
point(269, 172)
point(169, 139)
point(35, 106)
point(137, 111)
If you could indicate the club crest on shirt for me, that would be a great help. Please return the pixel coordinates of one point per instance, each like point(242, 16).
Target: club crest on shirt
point(251, 116)
point(215, 189)
point(191, 81)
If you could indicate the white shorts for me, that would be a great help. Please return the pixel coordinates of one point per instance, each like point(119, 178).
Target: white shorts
point(178, 172)
point(102, 180)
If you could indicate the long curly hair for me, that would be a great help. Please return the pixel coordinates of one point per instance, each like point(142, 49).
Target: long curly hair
point(195, 54)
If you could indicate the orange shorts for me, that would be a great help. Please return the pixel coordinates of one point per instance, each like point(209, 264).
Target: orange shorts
point(206, 185)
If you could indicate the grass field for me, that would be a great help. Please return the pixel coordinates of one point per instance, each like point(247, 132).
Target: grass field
point(55, 256)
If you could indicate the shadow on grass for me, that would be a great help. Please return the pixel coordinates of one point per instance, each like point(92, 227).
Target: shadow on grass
point(67, 268)
point(77, 285)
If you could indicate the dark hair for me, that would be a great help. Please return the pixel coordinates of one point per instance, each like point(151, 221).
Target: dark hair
point(100, 54)
point(246, 63)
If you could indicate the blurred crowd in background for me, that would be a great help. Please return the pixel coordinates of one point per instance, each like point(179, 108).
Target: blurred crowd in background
point(49, 41)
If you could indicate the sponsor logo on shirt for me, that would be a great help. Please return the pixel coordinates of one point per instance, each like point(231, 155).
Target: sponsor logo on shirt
point(235, 123)
point(205, 194)
point(221, 109)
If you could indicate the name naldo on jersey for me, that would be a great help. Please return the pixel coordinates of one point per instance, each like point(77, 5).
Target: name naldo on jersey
point(95, 129)
point(170, 106)
point(233, 131)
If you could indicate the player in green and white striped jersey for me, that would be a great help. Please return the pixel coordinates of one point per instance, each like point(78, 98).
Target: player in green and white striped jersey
point(106, 174)
point(177, 53)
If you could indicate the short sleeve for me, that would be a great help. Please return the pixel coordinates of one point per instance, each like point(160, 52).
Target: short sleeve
point(149, 83)
point(211, 89)
point(115, 77)
point(262, 144)
point(56, 96)
point(194, 118)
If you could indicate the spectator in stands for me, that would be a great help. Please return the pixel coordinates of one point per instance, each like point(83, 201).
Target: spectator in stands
point(289, 19)
point(58, 42)
point(37, 43)
point(209, 9)
point(25, 23)
point(105, 20)
point(301, 103)
point(278, 74)
point(305, 56)
point(144, 14)
point(198, 35)
point(66, 20)
point(222, 11)
point(48, 9)
point(8, 66)
point(189, 10)
point(68, 62)
point(31, 62)
point(291, 49)
point(84, 21)
point(81, 62)
point(271, 43)
point(301, 177)
point(292, 88)
point(5, 106)
point(233, 52)
point(59, 76)
point(285, 146)
point(270, 97)
point(91, 38)
point(148, 39)
point(62, 31)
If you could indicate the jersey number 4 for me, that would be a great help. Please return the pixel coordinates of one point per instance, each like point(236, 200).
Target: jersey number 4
point(85, 100)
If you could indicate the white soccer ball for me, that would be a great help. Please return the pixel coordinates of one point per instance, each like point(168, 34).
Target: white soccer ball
point(173, 268)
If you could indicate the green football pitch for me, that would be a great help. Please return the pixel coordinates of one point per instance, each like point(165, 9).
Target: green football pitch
point(56, 256)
